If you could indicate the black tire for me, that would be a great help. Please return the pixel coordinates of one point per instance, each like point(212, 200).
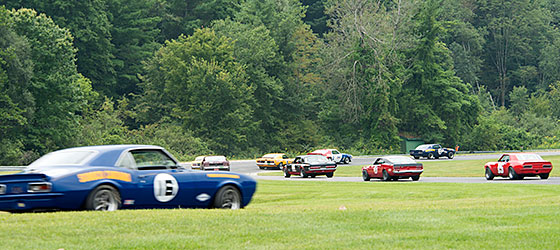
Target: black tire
point(346, 160)
point(302, 173)
point(280, 166)
point(512, 174)
point(228, 197)
point(416, 157)
point(103, 198)
point(395, 178)
point(286, 173)
point(450, 155)
point(386, 176)
point(544, 176)
point(330, 175)
point(365, 176)
point(312, 176)
point(415, 177)
point(261, 167)
point(488, 174)
point(430, 156)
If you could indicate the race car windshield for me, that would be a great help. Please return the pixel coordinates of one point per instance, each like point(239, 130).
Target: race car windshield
point(216, 158)
point(400, 160)
point(63, 158)
point(529, 157)
point(315, 159)
point(269, 156)
point(422, 147)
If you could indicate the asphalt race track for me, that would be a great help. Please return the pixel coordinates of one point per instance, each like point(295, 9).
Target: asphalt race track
point(497, 180)
point(249, 167)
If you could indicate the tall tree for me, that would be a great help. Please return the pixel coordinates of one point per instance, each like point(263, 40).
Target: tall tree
point(90, 26)
point(517, 32)
point(202, 86)
point(438, 105)
point(58, 92)
point(134, 35)
point(365, 68)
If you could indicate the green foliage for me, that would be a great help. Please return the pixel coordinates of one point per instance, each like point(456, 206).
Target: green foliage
point(58, 92)
point(198, 76)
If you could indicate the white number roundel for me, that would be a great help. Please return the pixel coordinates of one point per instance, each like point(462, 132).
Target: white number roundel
point(165, 187)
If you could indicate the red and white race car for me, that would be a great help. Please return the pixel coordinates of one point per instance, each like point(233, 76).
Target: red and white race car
point(393, 168)
point(516, 166)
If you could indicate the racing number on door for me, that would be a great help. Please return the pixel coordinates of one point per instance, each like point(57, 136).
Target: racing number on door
point(165, 187)
point(501, 167)
point(375, 169)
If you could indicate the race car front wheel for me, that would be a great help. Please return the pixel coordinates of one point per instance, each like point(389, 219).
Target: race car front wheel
point(489, 175)
point(103, 198)
point(228, 197)
point(346, 160)
point(365, 176)
point(286, 173)
point(450, 155)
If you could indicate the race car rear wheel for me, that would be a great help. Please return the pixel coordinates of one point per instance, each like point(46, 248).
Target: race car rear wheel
point(489, 175)
point(261, 167)
point(386, 176)
point(512, 175)
point(450, 155)
point(280, 166)
point(544, 176)
point(228, 197)
point(416, 157)
point(330, 175)
point(415, 178)
point(302, 173)
point(431, 156)
point(365, 176)
point(103, 198)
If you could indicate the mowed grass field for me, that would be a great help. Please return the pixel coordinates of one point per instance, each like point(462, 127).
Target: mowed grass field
point(316, 215)
point(438, 168)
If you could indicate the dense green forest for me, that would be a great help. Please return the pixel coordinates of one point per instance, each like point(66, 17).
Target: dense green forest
point(245, 77)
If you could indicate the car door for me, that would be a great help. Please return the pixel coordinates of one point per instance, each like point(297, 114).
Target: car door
point(378, 167)
point(438, 149)
point(160, 182)
point(337, 156)
point(503, 164)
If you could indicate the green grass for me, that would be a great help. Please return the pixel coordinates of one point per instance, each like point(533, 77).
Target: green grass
point(437, 168)
point(295, 215)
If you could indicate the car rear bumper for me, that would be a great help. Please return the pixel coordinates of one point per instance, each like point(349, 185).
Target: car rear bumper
point(415, 172)
point(533, 171)
point(266, 165)
point(215, 168)
point(21, 202)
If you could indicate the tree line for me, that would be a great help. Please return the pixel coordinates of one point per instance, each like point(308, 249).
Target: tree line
point(246, 77)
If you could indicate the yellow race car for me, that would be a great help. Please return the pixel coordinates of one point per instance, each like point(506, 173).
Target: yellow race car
point(276, 160)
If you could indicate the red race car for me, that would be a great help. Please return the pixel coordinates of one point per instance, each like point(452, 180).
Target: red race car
point(516, 166)
point(393, 168)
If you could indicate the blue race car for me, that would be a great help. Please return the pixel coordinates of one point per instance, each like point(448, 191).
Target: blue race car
point(119, 177)
point(432, 151)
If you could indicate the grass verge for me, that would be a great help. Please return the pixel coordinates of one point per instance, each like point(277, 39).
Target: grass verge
point(437, 168)
point(295, 215)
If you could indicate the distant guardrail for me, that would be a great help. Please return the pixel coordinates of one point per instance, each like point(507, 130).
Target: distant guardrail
point(12, 168)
